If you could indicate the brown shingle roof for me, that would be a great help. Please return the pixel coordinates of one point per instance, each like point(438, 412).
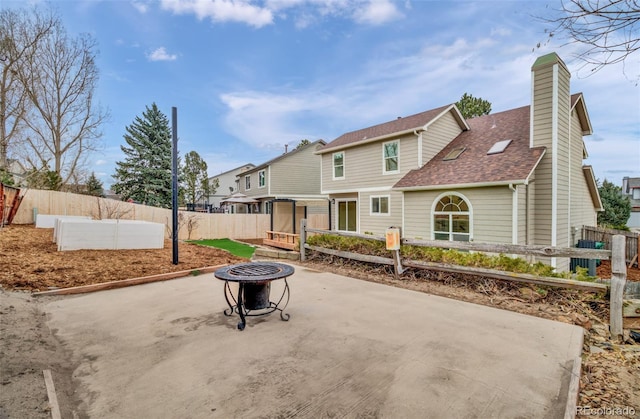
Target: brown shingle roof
point(474, 165)
point(407, 123)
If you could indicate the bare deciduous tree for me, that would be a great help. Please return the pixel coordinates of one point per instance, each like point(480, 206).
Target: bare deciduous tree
point(609, 29)
point(21, 31)
point(111, 209)
point(60, 77)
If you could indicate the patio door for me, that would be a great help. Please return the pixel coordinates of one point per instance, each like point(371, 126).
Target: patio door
point(347, 213)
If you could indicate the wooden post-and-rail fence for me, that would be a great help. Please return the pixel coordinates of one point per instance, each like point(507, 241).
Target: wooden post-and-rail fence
point(616, 255)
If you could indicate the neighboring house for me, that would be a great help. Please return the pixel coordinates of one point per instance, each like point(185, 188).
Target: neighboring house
point(17, 171)
point(631, 188)
point(227, 184)
point(288, 187)
point(511, 177)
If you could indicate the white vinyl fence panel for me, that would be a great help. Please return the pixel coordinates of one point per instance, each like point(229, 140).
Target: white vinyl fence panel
point(108, 234)
point(49, 220)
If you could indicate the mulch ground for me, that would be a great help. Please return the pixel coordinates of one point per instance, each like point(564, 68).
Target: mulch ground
point(30, 260)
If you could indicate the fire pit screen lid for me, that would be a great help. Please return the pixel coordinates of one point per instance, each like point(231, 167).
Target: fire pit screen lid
point(254, 271)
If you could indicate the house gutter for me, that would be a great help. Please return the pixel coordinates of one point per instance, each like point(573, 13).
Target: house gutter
point(461, 185)
point(368, 140)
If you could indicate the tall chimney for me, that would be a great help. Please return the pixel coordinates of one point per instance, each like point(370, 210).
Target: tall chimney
point(550, 101)
point(286, 147)
point(550, 127)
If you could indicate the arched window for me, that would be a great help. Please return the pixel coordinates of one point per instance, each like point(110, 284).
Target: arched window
point(451, 218)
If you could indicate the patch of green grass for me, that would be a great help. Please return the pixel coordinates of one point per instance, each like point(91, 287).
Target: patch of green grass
point(238, 249)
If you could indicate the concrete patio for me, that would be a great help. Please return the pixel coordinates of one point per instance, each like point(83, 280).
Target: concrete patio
point(351, 349)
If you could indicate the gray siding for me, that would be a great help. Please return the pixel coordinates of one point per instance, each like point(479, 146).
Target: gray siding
point(297, 174)
point(438, 135)
point(581, 206)
point(378, 223)
point(363, 165)
point(542, 136)
point(549, 188)
point(491, 214)
point(294, 174)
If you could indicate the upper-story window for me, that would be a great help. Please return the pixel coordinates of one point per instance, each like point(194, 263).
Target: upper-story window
point(247, 182)
point(635, 194)
point(261, 179)
point(390, 153)
point(338, 165)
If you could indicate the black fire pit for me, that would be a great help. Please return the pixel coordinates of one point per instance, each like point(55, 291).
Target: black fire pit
point(254, 288)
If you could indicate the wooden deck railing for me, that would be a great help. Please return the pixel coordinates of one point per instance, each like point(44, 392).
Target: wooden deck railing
point(281, 240)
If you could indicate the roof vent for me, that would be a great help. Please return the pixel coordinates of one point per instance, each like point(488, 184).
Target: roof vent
point(499, 147)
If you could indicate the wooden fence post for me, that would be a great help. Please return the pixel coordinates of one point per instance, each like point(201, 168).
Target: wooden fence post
point(618, 280)
point(303, 239)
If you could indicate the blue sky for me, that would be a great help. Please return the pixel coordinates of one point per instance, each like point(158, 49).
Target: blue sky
point(248, 77)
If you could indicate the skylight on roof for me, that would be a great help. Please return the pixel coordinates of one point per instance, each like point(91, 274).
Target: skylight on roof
point(499, 147)
point(454, 154)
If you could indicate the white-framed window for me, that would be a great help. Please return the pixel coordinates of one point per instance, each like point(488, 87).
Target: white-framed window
point(338, 165)
point(262, 179)
point(379, 205)
point(391, 157)
point(635, 194)
point(347, 215)
point(247, 182)
point(451, 215)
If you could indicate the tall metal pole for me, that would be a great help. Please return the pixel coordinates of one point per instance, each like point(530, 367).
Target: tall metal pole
point(174, 181)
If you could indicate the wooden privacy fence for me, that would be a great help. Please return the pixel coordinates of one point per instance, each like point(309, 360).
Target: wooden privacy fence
point(192, 225)
point(605, 235)
point(616, 255)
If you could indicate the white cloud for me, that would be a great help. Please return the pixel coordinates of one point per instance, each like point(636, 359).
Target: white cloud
point(140, 6)
point(377, 12)
point(222, 11)
point(275, 116)
point(160, 54)
point(430, 77)
point(304, 13)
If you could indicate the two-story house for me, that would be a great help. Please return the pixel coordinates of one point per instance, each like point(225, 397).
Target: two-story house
point(511, 177)
point(631, 188)
point(226, 183)
point(288, 188)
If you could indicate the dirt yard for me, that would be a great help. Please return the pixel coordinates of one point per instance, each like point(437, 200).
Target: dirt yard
point(30, 262)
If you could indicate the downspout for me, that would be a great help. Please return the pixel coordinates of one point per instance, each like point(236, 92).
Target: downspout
point(271, 215)
point(554, 162)
point(514, 214)
point(293, 205)
point(419, 135)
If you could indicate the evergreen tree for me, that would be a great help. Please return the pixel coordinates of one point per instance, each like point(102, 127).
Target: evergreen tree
point(195, 178)
point(303, 143)
point(145, 174)
point(94, 186)
point(45, 179)
point(6, 178)
point(617, 207)
point(471, 107)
